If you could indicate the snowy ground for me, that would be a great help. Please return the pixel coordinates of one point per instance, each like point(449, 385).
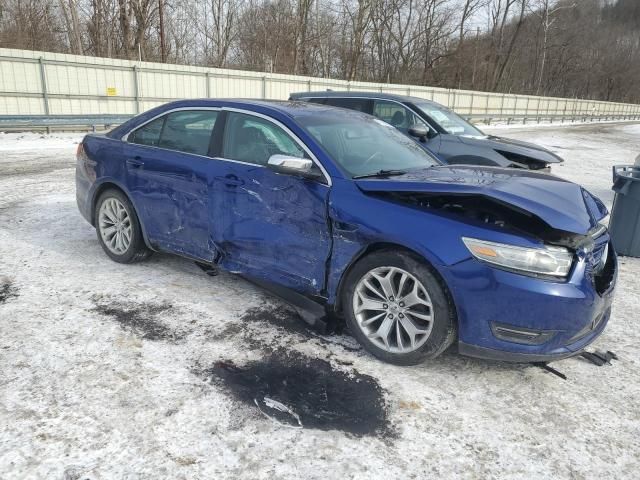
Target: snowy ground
point(159, 371)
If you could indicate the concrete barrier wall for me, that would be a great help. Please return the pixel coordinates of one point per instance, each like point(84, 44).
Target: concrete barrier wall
point(41, 83)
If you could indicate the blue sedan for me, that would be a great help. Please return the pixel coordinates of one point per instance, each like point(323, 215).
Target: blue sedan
point(345, 216)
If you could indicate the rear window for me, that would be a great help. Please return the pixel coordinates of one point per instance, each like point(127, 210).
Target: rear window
point(148, 134)
point(359, 104)
point(186, 131)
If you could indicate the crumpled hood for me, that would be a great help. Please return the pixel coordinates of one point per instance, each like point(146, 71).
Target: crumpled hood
point(561, 204)
point(513, 146)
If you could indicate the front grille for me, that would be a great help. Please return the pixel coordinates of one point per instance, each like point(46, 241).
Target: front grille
point(603, 278)
point(599, 257)
point(601, 261)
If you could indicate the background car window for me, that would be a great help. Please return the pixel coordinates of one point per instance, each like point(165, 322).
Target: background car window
point(148, 134)
point(397, 115)
point(253, 140)
point(188, 131)
point(448, 120)
point(359, 104)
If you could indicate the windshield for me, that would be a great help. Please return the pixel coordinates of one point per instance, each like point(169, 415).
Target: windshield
point(451, 122)
point(365, 145)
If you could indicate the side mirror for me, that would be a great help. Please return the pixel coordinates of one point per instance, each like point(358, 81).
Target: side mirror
point(419, 131)
point(292, 165)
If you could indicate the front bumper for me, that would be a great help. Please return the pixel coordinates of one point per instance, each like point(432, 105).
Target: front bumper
point(570, 314)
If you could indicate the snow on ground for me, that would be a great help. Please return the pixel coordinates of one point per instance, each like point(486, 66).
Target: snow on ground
point(157, 370)
point(12, 142)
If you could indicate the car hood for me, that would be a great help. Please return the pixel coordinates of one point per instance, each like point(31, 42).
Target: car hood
point(561, 204)
point(518, 147)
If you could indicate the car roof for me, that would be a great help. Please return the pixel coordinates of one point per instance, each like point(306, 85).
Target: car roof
point(293, 109)
point(274, 108)
point(374, 95)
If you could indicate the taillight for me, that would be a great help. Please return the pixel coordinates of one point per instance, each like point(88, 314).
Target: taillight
point(85, 164)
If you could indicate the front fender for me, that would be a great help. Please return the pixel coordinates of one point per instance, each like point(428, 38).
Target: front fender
point(360, 221)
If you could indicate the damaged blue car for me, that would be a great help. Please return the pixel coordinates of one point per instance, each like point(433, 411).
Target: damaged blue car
point(345, 216)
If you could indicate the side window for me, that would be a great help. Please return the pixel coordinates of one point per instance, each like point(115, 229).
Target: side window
point(321, 101)
point(148, 134)
point(188, 131)
point(396, 114)
point(253, 140)
point(359, 104)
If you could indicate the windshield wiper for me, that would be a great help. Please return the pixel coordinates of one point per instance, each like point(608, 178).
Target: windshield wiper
point(381, 173)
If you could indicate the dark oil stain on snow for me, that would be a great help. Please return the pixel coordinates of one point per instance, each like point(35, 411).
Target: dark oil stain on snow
point(7, 290)
point(139, 318)
point(306, 392)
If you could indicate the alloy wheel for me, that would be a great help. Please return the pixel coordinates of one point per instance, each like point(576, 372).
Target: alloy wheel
point(393, 309)
point(115, 226)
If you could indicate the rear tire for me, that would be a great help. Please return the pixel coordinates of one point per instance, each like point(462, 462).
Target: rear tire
point(118, 228)
point(398, 308)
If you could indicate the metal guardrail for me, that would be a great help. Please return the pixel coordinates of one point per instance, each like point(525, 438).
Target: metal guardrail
point(49, 122)
point(487, 118)
point(70, 122)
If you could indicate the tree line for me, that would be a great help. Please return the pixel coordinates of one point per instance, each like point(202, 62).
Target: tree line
point(570, 48)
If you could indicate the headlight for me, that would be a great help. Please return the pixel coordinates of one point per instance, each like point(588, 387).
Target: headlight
point(553, 261)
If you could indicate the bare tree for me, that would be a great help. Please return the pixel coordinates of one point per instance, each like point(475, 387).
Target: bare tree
point(546, 11)
point(469, 8)
point(70, 13)
point(359, 15)
point(222, 31)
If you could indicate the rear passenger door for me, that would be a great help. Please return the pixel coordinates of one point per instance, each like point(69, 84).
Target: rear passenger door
point(168, 171)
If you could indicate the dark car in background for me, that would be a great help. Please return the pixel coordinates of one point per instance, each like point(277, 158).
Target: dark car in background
point(439, 130)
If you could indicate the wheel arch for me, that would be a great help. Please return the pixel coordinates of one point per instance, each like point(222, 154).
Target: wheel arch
point(380, 246)
point(111, 185)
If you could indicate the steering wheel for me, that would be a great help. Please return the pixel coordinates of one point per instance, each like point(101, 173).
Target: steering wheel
point(368, 160)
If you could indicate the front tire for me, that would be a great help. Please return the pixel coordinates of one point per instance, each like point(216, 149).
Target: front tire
point(118, 228)
point(398, 308)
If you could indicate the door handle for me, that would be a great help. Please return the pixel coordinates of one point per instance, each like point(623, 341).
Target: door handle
point(231, 180)
point(135, 162)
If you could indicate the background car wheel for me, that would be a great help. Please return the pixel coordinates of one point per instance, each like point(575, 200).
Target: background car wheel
point(118, 228)
point(398, 308)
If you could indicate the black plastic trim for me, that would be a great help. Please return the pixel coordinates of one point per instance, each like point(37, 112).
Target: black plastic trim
point(311, 311)
point(521, 335)
point(502, 356)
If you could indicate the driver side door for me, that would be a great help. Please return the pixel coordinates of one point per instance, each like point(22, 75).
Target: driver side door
point(274, 226)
